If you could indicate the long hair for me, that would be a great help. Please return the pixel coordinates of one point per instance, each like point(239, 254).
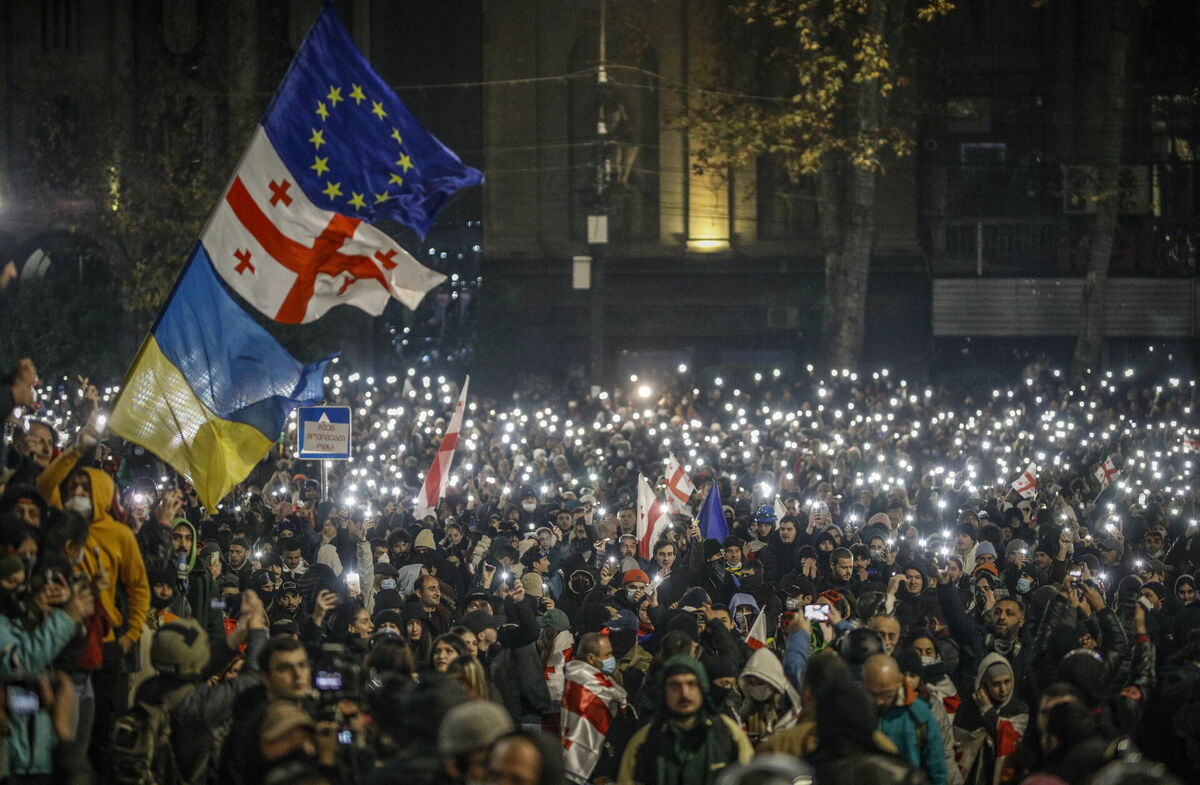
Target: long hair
point(468, 672)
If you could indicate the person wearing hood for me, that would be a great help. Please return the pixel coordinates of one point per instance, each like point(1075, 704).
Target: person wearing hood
point(197, 570)
point(112, 553)
point(687, 742)
point(769, 702)
point(990, 723)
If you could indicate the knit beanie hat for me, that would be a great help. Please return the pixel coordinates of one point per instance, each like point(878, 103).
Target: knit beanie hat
point(471, 726)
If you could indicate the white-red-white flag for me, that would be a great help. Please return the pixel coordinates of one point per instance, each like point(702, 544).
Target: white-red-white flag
point(590, 701)
point(1026, 484)
point(652, 520)
point(757, 637)
point(1105, 472)
point(1190, 444)
point(679, 487)
point(438, 476)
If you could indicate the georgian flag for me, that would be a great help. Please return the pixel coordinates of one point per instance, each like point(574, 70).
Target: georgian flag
point(757, 637)
point(1026, 484)
point(780, 510)
point(1105, 472)
point(336, 152)
point(1190, 444)
point(679, 487)
point(438, 476)
point(590, 700)
point(652, 519)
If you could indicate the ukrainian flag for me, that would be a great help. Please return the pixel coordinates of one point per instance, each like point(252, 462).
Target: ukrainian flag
point(210, 390)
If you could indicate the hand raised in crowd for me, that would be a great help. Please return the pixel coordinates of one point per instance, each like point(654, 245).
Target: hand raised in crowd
point(895, 583)
point(325, 602)
point(168, 507)
point(82, 603)
point(24, 383)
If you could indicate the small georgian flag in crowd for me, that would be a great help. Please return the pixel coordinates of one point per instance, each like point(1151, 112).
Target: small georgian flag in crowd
point(438, 476)
point(679, 487)
point(1026, 484)
point(780, 510)
point(1191, 444)
point(652, 519)
point(1105, 472)
point(757, 637)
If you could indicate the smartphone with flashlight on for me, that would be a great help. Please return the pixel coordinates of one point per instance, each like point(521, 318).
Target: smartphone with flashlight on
point(816, 612)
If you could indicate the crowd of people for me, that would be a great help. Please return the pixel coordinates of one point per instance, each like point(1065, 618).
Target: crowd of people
point(911, 584)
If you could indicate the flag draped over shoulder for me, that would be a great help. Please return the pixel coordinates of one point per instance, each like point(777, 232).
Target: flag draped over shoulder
point(210, 390)
point(590, 701)
point(336, 152)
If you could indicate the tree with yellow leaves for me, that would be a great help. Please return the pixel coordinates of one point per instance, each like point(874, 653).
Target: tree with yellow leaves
point(835, 66)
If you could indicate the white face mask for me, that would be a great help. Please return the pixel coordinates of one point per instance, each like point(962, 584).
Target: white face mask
point(528, 506)
point(929, 660)
point(81, 505)
point(760, 692)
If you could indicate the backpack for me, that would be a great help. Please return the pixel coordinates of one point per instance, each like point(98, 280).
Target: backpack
point(141, 742)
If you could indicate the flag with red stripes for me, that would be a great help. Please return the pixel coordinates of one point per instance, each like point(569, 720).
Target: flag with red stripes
point(679, 487)
point(438, 476)
point(589, 703)
point(757, 637)
point(652, 519)
point(1105, 472)
point(1026, 484)
point(1190, 444)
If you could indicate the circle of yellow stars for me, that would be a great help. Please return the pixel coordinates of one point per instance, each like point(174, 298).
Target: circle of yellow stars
point(320, 164)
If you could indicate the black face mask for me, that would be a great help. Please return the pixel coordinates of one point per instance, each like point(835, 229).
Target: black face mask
point(579, 586)
point(160, 603)
point(719, 695)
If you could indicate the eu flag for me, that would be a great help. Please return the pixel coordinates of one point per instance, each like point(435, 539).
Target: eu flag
point(712, 517)
point(351, 143)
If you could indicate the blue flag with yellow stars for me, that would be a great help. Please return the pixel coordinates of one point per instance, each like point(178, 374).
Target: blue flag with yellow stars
point(352, 145)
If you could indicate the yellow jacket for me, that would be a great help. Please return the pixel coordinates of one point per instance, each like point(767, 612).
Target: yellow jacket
point(111, 545)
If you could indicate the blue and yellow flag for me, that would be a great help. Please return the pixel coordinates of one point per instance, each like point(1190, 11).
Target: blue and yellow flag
point(210, 390)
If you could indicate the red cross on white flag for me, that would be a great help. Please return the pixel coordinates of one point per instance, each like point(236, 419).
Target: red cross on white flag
point(1105, 472)
point(294, 261)
point(757, 637)
point(1026, 484)
point(679, 487)
point(1190, 444)
point(652, 520)
point(438, 476)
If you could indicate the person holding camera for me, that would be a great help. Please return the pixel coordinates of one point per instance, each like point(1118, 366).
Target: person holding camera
point(28, 646)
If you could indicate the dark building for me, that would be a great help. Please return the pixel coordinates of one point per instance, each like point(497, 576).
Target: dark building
point(983, 233)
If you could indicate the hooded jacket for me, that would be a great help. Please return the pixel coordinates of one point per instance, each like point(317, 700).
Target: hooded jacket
point(985, 738)
point(662, 753)
point(762, 718)
point(111, 546)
